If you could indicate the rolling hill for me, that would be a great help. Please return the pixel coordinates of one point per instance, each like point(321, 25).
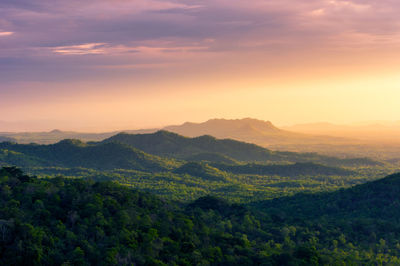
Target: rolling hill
point(378, 200)
point(163, 143)
point(201, 170)
point(74, 153)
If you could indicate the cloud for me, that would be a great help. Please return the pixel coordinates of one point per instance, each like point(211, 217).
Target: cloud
point(6, 33)
point(159, 32)
point(82, 49)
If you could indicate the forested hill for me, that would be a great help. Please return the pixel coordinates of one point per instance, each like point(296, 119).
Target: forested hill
point(74, 153)
point(379, 200)
point(185, 180)
point(80, 222)
point(76, 222)
point(164, 143)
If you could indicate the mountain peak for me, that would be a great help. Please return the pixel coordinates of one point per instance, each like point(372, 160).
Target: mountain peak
point(55, 131)
point(237, 121)
point(239, 129)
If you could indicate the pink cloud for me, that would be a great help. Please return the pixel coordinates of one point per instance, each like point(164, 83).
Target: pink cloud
point(6, 33)
point(82, 49)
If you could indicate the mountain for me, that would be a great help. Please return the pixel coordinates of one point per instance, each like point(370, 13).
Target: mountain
point(75, 153)
point(259, 132)
point(223, 128)
point(163, 143)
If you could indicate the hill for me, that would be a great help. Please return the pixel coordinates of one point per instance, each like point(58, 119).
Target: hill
point(163, 143)
point(201, 170)
point(74, 153)
point(259, 132)
point(379, 200)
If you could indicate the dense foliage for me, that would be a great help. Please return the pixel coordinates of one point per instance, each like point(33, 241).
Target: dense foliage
point(210, 171)
point(90, 205)
point(296, 169)
point(74, 153)
point(79, 222)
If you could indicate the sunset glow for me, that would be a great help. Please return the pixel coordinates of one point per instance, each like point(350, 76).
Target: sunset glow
point(126, 64)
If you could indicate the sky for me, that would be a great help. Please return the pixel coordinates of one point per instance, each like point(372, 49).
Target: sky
point(100, 65)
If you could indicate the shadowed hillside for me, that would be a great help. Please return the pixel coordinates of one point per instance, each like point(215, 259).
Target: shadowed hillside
point(74, 153)
point(201, 170)
point(163, 143)
point(377, 200)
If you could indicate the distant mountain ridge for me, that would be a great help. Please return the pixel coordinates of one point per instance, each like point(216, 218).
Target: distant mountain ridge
point(380, 141)
point(220, 128)
point(166, 153)
point(168, 144)
point(259, 132)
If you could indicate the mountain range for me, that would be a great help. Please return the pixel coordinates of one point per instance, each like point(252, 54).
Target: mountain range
point(259, 132)
point(208, 148)
point(366, 140)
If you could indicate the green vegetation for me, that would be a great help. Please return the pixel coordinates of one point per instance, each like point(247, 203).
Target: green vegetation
point(74, 153)
point(110, 203)
point(296, 169)
point(167, 144)
point(211, 173)
point(62, 221)
point(187, 186)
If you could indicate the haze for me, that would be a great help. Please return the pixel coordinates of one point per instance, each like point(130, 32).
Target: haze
point(106, 65)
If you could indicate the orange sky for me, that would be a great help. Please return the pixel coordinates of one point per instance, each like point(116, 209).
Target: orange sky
point(153, 63)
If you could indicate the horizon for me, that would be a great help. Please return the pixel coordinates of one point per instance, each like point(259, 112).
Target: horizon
point(21, 127)
point(139, 63)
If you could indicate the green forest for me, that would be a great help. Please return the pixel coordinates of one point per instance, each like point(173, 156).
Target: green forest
point(164, 199)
